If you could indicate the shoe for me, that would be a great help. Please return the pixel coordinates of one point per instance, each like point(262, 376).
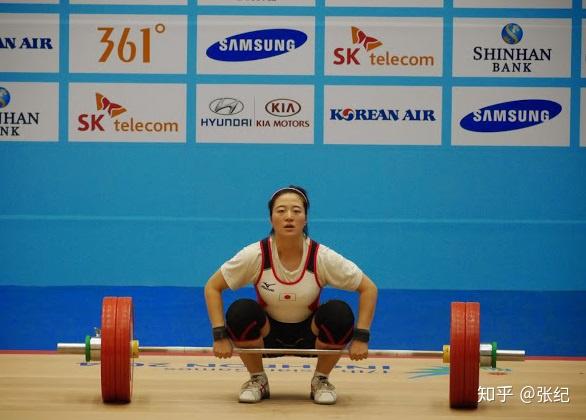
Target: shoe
point(322, 391)
point(255, 389)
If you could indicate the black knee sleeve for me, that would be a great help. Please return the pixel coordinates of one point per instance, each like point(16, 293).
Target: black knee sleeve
point(335, 322)
point(244, 320)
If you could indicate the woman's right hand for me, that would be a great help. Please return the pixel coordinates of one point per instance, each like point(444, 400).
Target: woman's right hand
point(223, 348)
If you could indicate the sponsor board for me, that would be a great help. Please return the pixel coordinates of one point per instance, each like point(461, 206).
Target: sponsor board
point(582, 117)
point(138, 2)
point(255, 114)
point(385, 3)
point(488, 116)
point(255, 45)
point(383, 46)
point(29, 42)
point(127, 112)
point(127, 44)
point(29, 111)
point(512, 47)
point(31, 1)
point(385, 115)
point(256, 2)
point(583, 66)
point(507, 4)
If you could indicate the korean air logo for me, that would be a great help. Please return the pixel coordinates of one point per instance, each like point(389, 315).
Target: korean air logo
point(509, 116)
point(226, 106)
point(381, 114)
point(25, 43)
point(256, 45)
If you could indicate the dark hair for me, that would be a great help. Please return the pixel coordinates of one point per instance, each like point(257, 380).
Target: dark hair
point(300, 191)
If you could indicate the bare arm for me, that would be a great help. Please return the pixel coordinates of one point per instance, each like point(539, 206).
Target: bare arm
point(213, 295)
point(367, 302)
point(366, 306)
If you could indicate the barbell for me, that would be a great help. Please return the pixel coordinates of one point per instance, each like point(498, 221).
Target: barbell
point(114, 345)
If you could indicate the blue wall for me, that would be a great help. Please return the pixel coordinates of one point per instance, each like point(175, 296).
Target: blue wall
point(438, 217)
point(502, 225)
point(413, 218)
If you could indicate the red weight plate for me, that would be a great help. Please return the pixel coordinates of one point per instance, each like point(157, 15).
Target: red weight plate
point(457, 353)
point(123, 349)
point(472, 363)
point(108, 349)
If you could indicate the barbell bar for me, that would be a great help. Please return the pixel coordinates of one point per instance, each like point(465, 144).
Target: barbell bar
point(114, 345)
point(92, 350)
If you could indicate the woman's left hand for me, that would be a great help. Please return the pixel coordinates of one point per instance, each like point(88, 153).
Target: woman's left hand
point(358, 350)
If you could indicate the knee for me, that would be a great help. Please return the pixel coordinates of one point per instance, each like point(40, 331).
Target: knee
point(246, 321)
point(333, 323)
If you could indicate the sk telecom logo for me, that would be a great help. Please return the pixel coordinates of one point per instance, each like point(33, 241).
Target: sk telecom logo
point(367, 43)
point(93, 122)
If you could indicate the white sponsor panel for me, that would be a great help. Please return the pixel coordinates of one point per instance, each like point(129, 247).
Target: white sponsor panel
point(29, 42)
point(138, 2)
point(385, 3)
point(255, 114)
point(582, 117)
point(31, 1)
point(358, 46)
point(128, 44)
point(489, 116)
point(510, 47)
point(385, 115)
point(119, 112)
point(29, 111)
point(255, 45)
point(508, 4)
point(583, 66)
point(256, 2)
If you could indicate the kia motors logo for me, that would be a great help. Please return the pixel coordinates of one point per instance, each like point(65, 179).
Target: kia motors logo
point(256, 45)
point(509, 116)
point(283, 107)
point(226, 106)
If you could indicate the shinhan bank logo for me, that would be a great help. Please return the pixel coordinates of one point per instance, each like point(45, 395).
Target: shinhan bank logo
point(512, 33)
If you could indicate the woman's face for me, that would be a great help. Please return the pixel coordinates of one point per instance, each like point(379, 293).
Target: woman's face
point(288, 215)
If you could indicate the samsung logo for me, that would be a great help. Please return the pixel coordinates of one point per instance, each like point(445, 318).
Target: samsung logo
point(509, 116)
point(256, 45)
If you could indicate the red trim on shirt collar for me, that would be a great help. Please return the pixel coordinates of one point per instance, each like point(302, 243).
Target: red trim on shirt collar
point(273, 266)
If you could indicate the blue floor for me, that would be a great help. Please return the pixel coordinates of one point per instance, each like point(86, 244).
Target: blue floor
point(542, 323)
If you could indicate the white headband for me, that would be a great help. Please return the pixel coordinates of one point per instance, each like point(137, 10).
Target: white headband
point(291, 189)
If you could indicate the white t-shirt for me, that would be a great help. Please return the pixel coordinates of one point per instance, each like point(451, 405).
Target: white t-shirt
point(332, 268)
